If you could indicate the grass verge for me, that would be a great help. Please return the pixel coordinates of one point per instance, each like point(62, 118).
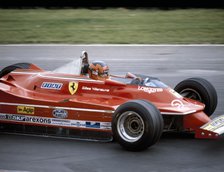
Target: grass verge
point(117, 26)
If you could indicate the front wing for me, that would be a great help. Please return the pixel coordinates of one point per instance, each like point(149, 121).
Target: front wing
point(212, 129)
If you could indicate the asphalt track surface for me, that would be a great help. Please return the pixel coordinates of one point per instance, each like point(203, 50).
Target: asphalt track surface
point(174, 152)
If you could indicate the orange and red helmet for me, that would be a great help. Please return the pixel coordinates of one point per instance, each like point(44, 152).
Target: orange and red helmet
point(98, 70)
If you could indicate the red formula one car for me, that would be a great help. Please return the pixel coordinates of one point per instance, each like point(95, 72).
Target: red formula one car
point(132, 109)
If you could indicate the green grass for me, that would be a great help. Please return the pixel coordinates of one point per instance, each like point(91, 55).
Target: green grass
point(138, 26)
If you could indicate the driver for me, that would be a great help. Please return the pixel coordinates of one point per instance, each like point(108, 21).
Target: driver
point(98, 70)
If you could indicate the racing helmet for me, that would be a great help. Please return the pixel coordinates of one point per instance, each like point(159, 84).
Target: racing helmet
point(98, 70)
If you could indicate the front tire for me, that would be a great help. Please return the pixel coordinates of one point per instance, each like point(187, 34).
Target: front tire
point(201, 90)
point(137, 125)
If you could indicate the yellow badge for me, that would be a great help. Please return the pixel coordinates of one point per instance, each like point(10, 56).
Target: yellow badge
point(25, 109)
point(72, 87)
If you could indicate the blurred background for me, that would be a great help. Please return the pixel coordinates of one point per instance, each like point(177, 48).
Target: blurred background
point(112, 21)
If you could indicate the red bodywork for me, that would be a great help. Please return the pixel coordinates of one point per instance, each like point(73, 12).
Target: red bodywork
point(41, 98)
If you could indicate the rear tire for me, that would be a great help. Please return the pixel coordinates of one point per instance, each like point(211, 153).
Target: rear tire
point(201, 90)
point(137, 125)
point(13, 67)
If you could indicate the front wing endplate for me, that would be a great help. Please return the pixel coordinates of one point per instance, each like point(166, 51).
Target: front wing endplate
point(212, 129)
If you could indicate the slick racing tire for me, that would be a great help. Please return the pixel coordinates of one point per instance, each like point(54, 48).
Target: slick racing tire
point(137, 125)
point(13, 67)
point(201, 90)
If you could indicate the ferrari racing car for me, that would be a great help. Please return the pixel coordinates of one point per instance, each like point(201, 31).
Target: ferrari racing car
point(82, 100)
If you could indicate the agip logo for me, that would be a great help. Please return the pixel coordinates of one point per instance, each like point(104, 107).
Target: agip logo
point(72, 87)
point(25, 110)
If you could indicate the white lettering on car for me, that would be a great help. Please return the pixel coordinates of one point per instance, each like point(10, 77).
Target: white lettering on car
point(150, 90)
point(177, 103)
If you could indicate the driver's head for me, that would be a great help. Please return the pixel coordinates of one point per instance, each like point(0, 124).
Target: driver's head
point(98, 70)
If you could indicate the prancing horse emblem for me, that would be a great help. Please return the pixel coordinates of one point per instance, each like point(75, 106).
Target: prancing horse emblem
point(72, 87)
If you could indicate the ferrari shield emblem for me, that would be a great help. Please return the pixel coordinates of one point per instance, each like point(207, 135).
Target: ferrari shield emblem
point(72, 87)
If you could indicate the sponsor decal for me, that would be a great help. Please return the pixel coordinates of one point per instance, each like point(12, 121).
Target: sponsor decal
point(150, 90)
point(38, 120)
point(80, 124)
point(22, 118)
point(25, 109)
point(15, 117)
point(56, 121)
point(95, 89)
point(60, 113)
point(72, 87)
point(105, 125)
point(177, 103)
point(55, 107)
point(2, 116)
point(92, 124)
point(215, 125)
point(176, 94)
point(61, 122)
point(51, 85)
